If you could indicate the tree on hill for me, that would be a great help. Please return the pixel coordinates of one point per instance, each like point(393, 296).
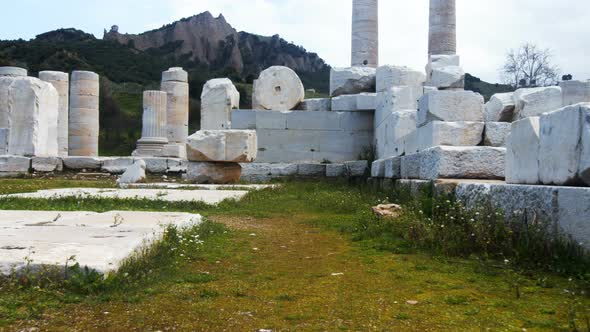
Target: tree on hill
point(529, 66)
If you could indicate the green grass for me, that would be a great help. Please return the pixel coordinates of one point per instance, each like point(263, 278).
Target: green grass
point(322, 262)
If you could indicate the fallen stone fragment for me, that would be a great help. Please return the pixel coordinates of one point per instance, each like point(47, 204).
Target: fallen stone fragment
point(279, 89)
point(349, 81)
point(387, 210)
point(134, 174)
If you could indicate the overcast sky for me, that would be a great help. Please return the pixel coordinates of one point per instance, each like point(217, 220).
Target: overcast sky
point(487, 28)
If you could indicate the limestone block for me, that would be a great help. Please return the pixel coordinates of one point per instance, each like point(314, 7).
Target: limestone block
point(4, 135)
point(356, 121)
point(243, 119)
point(177, 165)
point(500, 108)
point(213, 173)
point(354, 80)
point(436, 61)
point(575, 92)
point(237, 146)
point(536, 101)
point(394, 99)
point(283, 169)
point(450, 106)
point(392, 167)
point(61, 82)
point(366, 101)
point(496, 133)
point(13, 72)
point(564, 142)
point(313, 121)
point(378, 168)
point(345, 103)
point(388, 77)
point(117, 165)
point(397, 125)
point(279, 88)
point(448, 77)
point(358, 168)
point(271, 120)
point(411, 143)
point(155, 165)
point(218, 99)
point(573, 208)
point(14, 164)
point(437, 133)
point(29, 108)
point(316, 105)
point(175, 74)
point(47, 164)
point(174, 150)
point(313, 170)
point(134, 173)
point(80, 163)
point(450, 162)
point(335, 170)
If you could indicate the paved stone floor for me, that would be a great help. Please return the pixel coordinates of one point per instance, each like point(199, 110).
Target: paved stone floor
point(170, 195)
point(100, 241)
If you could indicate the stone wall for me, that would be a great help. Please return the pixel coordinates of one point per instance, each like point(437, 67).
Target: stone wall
point(296, 136)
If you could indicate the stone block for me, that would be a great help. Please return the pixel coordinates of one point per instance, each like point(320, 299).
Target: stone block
point(283, 169)
point(175, 74)
point(449, 162)
point(345, 103)
point(80, 163)
point(496, 133)
point(356, 121)
point(311, 170)
point(391, 130)
point(564, 145)
point(13, 72)
point(243, 119)
point(449, 77)
point(313, 121)
point(450, 106)
point(47, 164)
point(176, 165)
point(335, 170)
point(29, 107)
point(358, 168)
point(392, 167)
point(436, 61)
point(236, 146)
point(437, 133)
point(4, 135)
point(388, 77)
point(155, 165)
point(575, 92)
point(536, 101)
point(366, 101)
point(573, 208)
point(378, 168)
point(278, 88)
point(394, 99)
point(213, 173)
point(411, 143)
point(316, 105)
point(500, 108)
point(218, 99)
point(15, 164)
point(271, 120)
point(117, 165)
point(174, 150)
point(354, 80)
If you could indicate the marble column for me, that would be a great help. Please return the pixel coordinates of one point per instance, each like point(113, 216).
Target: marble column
point(443, 28)
point(84, 123)
point(175, 84)
point(153, 135)
point(365, 33)
point(61, 82)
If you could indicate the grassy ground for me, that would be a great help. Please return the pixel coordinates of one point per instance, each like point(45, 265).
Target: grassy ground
point(292, 259)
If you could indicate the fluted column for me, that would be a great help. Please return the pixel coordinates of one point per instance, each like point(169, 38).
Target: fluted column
point(443, 28)
point(61, 82)
point(84, 123)
point(153, 135)
point(365, 33)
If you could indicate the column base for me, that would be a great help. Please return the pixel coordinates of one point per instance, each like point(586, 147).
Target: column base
point(150, 147)
point(174, 150)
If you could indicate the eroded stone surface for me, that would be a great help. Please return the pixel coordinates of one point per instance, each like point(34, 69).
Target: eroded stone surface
point(134, 173)
point(388, 77)
point(354, 80)
point(47, 164)
point(316, 105)
point(14, 164)
point(500, 108)
point(84, 114)
point(238, 146)
point(357, 168)
point(450, 106)
point(175, 84)
point(278, 88)
point(496, 133)
point(213, 172)
point(536, 101)
point(218, 99)
point(522, 156)
point(13, 72)
point(437, 133)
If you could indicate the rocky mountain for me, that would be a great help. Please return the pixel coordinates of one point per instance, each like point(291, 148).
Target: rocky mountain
point(213, 42)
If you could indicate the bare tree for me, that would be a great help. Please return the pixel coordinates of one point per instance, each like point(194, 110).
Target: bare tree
point(529, 66)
